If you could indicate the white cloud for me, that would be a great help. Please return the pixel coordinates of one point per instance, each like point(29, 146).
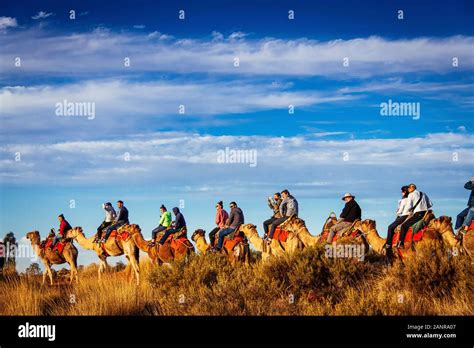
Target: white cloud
point(8, 22)
point(153, 102)
point(42, 15)
point(298, 159)
point(139, 26)
point(373, 56)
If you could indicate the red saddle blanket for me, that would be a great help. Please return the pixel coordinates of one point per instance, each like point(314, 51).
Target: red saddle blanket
point(280, 234)
point(416, 238)
point(177, 242)
point(120, 236)
point(471, 226)
point(59, 245)
point(229, 244)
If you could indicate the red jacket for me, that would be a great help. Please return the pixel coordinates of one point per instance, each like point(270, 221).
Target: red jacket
point(64, 227)
point(221, 217)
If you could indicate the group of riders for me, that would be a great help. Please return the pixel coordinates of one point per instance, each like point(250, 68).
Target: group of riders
point(412, 207)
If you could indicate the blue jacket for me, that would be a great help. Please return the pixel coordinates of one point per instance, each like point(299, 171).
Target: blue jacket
point(470, 186)
point(179, 220)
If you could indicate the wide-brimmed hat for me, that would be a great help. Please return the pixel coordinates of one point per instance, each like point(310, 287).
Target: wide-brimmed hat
point(347, 195)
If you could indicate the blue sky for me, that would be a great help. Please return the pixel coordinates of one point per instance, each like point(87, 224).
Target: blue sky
point(336, 140)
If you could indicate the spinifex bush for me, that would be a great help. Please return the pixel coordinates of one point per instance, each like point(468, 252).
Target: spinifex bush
point(434, 271)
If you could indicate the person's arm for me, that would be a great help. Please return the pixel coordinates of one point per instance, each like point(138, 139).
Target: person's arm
point(344, 211)
point(162, 219)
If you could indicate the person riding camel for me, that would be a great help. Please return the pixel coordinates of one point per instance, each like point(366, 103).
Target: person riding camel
point(221, 218)
point(236, 218)
point(402, 214)
point(64, 226)
point(177, 225)
point(108, 220)
point(274, 204)
point(349, 214)
point(418, 204)
point(120, 220)
point(464, 218)
point(288, 207)
point(165, 222)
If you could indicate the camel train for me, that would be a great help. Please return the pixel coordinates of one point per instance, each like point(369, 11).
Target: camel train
point(284, 233)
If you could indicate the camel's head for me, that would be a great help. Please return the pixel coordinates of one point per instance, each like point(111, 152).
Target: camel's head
point(33, 236)
point(248, 228)
point(74, 232)
point(442, 224)
point(198, 232)
point(365, 226)
point(132, 229)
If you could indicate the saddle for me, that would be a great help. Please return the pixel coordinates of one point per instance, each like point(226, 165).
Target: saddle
point(231, 240)
point(59, 247)
point(280, 234)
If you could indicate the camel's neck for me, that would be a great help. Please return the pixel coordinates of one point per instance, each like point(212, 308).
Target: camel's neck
point(36, 247)
point(86, 243)
point(376, 242)
point(305, 236)
point(141, 243)
point(255, 239)
point(202, 244)
point(449, 238)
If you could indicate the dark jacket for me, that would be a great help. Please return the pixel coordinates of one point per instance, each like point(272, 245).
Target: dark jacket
point(351, 211)
point(123, 215)
point(236, 218)
point(470, 186)
point(179, 219)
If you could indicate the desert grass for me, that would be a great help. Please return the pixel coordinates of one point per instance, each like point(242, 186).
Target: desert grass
point(306, 283)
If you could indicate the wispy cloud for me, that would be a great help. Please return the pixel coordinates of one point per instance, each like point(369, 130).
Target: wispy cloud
point(103, 52)
point(42, 15)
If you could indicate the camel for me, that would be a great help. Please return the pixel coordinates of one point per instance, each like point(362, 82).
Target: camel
point(463, 244)
point(369, 230)
point(298, 228)
point(275, 249)
point(50, 257)
point(240, 251)
point(161, 254)
point(113, 247)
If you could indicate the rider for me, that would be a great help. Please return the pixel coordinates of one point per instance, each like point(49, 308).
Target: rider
point(288, 207)
point(109, 218)
point(221, 218)
point(120, 219)
point(418, 204)
point(274, 204)
point(64, 226)
point(349, 214)
point(236, 218)
point(178, 224)
point(165, 222)
point(464, 218)
point(402, 214)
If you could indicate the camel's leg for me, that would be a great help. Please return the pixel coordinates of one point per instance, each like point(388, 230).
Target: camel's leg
point(44, 276)
point(134, 262)
point(49, 271)
point(102, 267)
point(72, 263)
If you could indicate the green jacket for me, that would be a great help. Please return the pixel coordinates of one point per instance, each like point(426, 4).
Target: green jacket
point(165, 219)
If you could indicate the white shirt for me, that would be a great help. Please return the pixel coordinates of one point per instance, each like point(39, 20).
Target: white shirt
point(424, 204)
point(403, 209)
